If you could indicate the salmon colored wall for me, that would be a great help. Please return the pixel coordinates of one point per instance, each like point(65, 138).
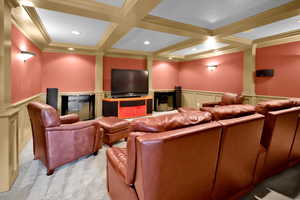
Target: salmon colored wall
point(285, 60)
point(68, 72)
point(25, 76)
point(110, 63)
point(228, 77)
point(165, 75)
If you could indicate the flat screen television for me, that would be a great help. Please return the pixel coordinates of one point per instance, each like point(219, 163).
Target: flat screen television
point(128, 83)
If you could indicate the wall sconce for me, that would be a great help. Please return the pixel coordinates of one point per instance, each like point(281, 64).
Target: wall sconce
point(212, 67)
point(25, 55)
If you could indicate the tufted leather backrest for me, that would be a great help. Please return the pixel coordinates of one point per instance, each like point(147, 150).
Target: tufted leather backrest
point(170, 121)
point(231, 98)
point(178, 164)
point(229, 111)
point(266, 106)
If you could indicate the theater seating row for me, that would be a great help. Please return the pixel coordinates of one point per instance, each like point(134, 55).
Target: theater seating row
point(216, 154)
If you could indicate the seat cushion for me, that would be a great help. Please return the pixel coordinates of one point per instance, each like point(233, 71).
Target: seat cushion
point(273, 105)
point(118, 159)
point(113, 124)
point(170, 121)
point(230, 111)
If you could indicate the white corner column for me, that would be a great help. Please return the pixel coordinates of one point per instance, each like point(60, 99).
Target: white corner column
point(249, 74)
point(149, 68)
point(9, 155)
point(99, 94)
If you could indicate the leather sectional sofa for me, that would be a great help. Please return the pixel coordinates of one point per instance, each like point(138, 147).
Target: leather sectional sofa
point(217, 154)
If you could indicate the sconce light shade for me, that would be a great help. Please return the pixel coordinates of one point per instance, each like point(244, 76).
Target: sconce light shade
point(212, 67)
point(25, 55)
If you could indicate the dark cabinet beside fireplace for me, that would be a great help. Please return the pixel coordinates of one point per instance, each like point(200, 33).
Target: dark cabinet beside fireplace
point(83, 105)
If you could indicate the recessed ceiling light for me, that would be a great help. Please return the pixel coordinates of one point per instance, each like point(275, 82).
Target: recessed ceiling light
point(146, 42)
point(71, 49)
point(194, 49)
point(170, 58)
point(76, 32)
point(26, 3)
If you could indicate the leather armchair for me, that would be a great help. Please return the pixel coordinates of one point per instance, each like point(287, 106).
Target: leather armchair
point(60, 140)
point(227, 99)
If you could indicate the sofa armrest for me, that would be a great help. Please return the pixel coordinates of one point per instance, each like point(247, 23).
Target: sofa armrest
point(69, 119)
point(211, 104)
point(131, 162)
point(74, 126)
point(69, 142)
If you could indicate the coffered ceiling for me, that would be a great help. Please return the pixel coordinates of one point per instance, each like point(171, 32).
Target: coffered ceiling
point(163, 28)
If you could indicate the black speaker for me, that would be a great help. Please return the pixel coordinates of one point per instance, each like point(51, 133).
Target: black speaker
point(265, 73)
point(52, 95)
point(178, 94)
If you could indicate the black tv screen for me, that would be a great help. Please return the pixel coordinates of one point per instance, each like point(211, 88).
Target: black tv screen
point(129, 82)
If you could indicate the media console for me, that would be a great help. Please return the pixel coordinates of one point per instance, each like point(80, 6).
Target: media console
point(127, 107)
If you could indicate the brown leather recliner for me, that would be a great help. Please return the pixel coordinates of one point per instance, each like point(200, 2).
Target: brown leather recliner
point(294, 157)
point(227, 99)
point(60, 140)
point(240, 151)
point(278, 133)
point(169, 165)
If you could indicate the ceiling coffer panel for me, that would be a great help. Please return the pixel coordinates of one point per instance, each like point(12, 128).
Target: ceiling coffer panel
point(145, 40)
point(206, 46)
point(282, 26)
point(213, 14)
point(117, 3)
point(61, 28)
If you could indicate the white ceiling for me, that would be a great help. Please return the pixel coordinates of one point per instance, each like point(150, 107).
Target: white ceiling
point(212, 14)
point(275, 28)
point(118, 3)
point(206, 46)
point(60, 26)
point(134, 40)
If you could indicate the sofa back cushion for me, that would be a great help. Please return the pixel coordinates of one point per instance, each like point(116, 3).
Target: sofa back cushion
point(170, 121)
point(184, 160)
point(273, 105)
point(229, 111)
point(231, 98)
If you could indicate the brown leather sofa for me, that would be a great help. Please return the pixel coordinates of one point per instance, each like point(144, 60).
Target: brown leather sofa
point(187, 157)
point(60, 140)
point(227, 99)
point(280, 124)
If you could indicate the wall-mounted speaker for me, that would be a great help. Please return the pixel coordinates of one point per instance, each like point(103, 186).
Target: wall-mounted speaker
point(52, 95)
point(265, 73)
